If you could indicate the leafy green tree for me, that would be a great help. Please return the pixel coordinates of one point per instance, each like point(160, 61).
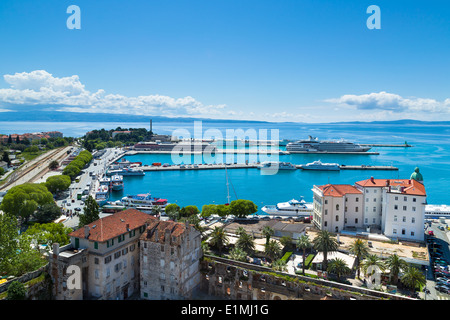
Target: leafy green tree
point(189, 211)
point(91, 212)
point(16, 291)
point(58, 183)
point(219, 239)
point(49, 233)
point(47, 213)
point(325, 242)
point(173, 211)
point(23, 200)
point(413, 278)
point(267, 233)
point(286, 242)
point(303, 243)
point(272, 249)
point(242, 208)
point(32, 149)
point(240, 230)
point(5, 157)
point(208, 210)
point(8, 240)
point(222, 210)
point(2, 171)
point(361, 250)
point(53, 165)
point(339, 267)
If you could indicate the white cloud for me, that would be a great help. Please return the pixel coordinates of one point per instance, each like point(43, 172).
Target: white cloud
point(40, 88)
point(392, 102)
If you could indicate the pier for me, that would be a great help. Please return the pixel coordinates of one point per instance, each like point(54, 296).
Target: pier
point(331, 152)
point(248, 166)
point(366, 167)
point(404, 145)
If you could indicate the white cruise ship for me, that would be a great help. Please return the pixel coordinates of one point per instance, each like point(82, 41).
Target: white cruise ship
point(315, 145)
point(292, 208)
point(436, 211)
point(274, 165)
point(318, 165)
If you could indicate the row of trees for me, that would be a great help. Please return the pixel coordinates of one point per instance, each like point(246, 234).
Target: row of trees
point(77, 164)
point(100, 139)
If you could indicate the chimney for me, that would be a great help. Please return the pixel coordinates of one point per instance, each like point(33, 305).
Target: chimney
point(167, 235)
point(372, 179)
point(86, 232)
point(128, 227)
point(388, 182)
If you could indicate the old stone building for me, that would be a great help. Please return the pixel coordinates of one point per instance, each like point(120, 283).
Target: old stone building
point(170, 255)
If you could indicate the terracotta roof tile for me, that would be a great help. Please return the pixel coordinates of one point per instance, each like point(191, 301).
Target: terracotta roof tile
point(406, 186)
point(156, 231)
point(338, 190)
point(114, 225)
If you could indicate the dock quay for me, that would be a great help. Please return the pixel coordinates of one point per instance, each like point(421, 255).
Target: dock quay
point(199, 167)
point(366, 167)
point(331, 152)
point(387, 145)
point(212, 152)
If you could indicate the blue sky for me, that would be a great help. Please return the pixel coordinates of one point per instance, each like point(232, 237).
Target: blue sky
point(285, 60)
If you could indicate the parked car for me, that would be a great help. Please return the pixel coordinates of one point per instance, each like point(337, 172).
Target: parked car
point(431, 233)
point(77, 209)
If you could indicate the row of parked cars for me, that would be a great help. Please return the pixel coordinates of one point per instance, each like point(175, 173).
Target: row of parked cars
point(440, 266)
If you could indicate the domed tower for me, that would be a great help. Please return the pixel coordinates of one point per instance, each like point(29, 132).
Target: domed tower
point(416, 175)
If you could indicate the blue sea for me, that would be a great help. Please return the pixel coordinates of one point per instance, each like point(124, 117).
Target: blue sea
point(430, 152)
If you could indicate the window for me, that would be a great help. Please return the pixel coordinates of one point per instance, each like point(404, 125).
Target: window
point(145, 294)
point(162, 263)
point(132, 247)
point(325, 224)
point(357, 199)
point(404, 208)
point(118, 267)
point(132, 233)
point(405, 198)
point(404, 219)
point(356, 209)
point(337, 218)
point(413, 208)
point(373, 220)
point(337, 207)
point(367, 199)
point(162, 248)
point(356, 220)
point(396, 207)
point(108, 259)
point(326, 211)
point(109, 243)
point(374, 199)
point(366, 220)
point(414, 199)
point(396, 198)
point(77, 243)
point(162, 276)
point(345, 220)
point(374, 209)
point(125, 251)
point(96, 261)
point(172, 250)
point(394, 231)
point(97, 274)
point(121, 238)
point(95, 245)
point(108, 272)
point(413, 220)
point(395, 218)
point(326, 201)
point(117, 255)
point(403, 231)
point(412, 233)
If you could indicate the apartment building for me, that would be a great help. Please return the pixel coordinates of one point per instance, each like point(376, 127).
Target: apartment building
point(170, 256)
point(394, 206)
point(337, 206)
point(106, 255)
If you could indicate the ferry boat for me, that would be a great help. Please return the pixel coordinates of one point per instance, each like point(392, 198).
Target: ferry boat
point(274, 165)
point(102, 195)
point(117, 182)
point(124, 163)
point(143, 202)
point(292, 208)
point(313, 144)
point(436, 211)
point(126, 172)
point(105, 181)
point(318, 165)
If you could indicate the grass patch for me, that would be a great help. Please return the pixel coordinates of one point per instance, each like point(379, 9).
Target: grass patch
point(308, 260)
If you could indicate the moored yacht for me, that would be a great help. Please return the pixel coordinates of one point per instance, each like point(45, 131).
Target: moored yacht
point(313, 144)
point(294, 208)
point(143, 202)
point(274, 165)
point(117, 182)
point(318, 165)
point(101, 194)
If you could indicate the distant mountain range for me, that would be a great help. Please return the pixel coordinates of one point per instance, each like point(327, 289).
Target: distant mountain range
point(62, 116)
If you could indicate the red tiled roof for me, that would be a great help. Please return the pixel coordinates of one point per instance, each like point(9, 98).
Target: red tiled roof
point(156, 230)
point(410, 186)
point(338, 190)
point(114, 225)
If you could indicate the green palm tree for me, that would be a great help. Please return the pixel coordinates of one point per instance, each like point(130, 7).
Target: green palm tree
point(361, 250)
point(272, 250)
point(267, 232)
point(240, 230)
point(205, 247)
point(339, 267)
point(279, 265)
point(238, 254)
point(304, 243)
point(219, 239)
point(325, 242)
point(372, 260)
point(395, 265)
point(413, 278)
point(246, 243)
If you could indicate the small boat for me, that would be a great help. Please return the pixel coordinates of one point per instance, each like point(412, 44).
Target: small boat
point(318, 165)
point(143, 202)
point(102, 195)
point(117, 182)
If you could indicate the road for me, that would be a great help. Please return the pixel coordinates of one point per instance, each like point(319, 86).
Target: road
point(442, 238)
point(97, 167)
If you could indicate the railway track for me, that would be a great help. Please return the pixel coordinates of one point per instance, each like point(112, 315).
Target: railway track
point(18, 174)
